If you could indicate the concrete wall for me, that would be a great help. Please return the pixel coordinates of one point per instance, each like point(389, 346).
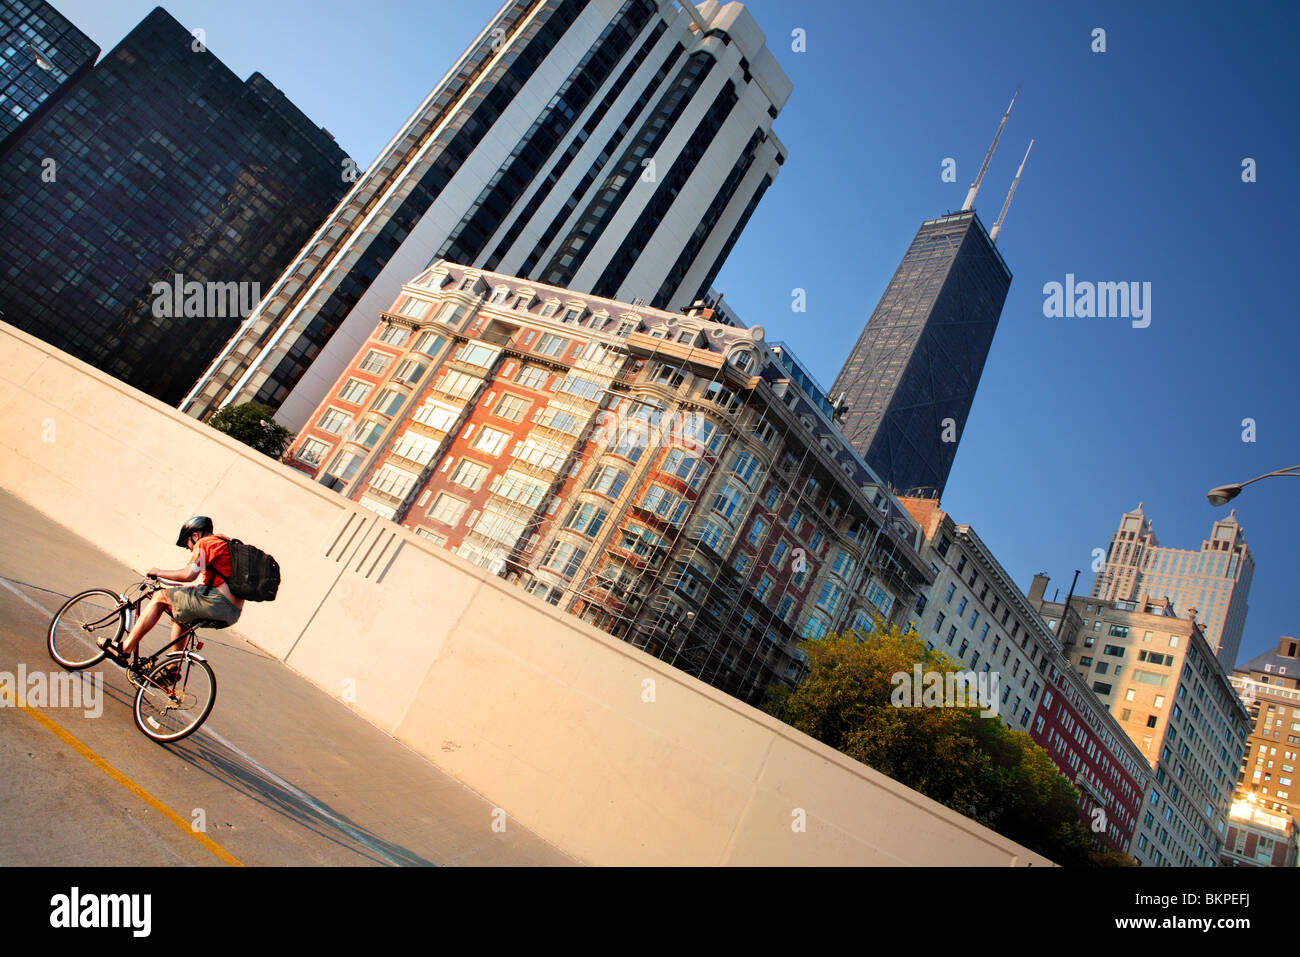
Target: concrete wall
point(601, 749)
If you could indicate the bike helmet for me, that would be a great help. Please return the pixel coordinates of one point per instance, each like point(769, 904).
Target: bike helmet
point(199, 523)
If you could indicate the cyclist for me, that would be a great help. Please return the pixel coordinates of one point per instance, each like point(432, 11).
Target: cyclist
point(212, 600)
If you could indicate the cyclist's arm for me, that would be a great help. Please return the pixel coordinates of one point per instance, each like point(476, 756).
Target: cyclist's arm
point(187, 574)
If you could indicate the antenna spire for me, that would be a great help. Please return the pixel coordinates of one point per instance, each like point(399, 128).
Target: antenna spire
point(997, 227)
point(975, 186)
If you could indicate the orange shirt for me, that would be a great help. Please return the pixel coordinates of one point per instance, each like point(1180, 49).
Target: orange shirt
point(213, 552)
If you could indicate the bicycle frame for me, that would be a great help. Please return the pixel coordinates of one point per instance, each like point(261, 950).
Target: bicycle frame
point(131, 606)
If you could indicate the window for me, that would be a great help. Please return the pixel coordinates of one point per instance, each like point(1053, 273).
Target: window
point(582, 387)
point(460, 385)
point(436, 416)
point(394, 481)
point(882, 599)
point(664, 503)
point(728, 500)
point(961, 607)
point(764, 586)
point(428, 343)
point(714, 536)
point(532, 377)
point(410, 371)
point(1100, 688)
point(744, 467)
point(773, 494)
point(311, 451)
point(491, 441)
point(394, 335)
point(354, 391)
point(961, 564)
point(416, 448)
point(949, 593)
point(521, 488)
point(1118, 631)
point(564, 557)
point(829, 599)
point(795, 517)
point(511, 407)
point(608, 481)
point(1116, 651)
point(815, 628)
point(469, 474)
point(683, 466)
point(756, 531)
point(367, 434)
point(550, 345)
point(587, 519)
point(332, 421)
point(389, 401)
point(843, 564)
point(561, 420)
point(938, 622)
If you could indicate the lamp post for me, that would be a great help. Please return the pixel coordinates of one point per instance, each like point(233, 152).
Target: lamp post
point(673, 633)
point(1226, 493)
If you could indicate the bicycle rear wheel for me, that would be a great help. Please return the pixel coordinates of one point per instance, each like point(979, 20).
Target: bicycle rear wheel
point(171, 706)
point(93, 614)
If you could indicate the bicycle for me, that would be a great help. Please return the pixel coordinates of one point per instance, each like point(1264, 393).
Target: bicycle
point(176, 692)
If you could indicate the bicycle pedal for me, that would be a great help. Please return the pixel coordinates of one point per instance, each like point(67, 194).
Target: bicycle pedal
point(199, 646)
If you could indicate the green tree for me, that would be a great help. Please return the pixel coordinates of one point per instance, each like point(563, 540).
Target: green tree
point(972, 764)
point(254, 425)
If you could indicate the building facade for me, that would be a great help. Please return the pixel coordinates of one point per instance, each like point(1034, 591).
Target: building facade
point(1269, 687)
point(41, 52)
point(1259, 838)
point(1215, 580)
point(979, 618)
point(151, 202)
point(608, 147)
point(910, 379)
point(666, 477)
point(1163, 684)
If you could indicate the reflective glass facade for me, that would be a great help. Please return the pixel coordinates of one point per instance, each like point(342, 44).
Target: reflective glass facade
point(919, 360)
point(159, 162)
point(40, 53)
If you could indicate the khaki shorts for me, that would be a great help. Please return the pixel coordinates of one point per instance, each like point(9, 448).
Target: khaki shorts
point(201, 601)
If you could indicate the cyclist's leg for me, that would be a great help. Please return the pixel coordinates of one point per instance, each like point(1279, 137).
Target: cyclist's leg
point(149, 616)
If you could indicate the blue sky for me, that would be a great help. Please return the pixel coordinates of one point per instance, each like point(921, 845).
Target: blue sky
point(1135, 176)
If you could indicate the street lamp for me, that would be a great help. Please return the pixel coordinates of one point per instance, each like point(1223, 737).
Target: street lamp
point(1226, 493)
point(673, 633)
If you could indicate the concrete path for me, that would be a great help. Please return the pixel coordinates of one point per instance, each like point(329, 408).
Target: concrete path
point(280, 773)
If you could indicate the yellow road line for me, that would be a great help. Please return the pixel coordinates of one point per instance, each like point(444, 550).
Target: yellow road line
point(222, 854)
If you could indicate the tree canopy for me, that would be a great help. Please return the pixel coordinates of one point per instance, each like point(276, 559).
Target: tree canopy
point(973, 764)
point(254, 425)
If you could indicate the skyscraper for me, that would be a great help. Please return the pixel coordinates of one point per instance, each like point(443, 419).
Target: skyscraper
point(610, 148)
point(41, 52)
point(911, 378)
point(1214, 580)
point(159, 171)
point(907, 386)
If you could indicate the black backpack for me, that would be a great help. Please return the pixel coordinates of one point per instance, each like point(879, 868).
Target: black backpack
point(254, 575)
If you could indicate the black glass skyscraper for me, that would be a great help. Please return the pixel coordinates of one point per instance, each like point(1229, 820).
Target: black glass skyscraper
point(911, 378)
point(40, 53)
point(159, 163)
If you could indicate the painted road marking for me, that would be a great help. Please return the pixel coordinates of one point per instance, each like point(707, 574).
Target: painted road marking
point(67, 738)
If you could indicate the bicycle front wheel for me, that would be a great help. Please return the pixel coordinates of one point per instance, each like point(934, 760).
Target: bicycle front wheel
point(175, 697)
point(84, 618)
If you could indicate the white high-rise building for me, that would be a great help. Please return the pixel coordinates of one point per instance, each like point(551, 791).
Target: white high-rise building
point(609, 147)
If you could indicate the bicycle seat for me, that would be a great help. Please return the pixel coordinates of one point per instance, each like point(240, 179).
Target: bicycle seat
point(208, 623)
